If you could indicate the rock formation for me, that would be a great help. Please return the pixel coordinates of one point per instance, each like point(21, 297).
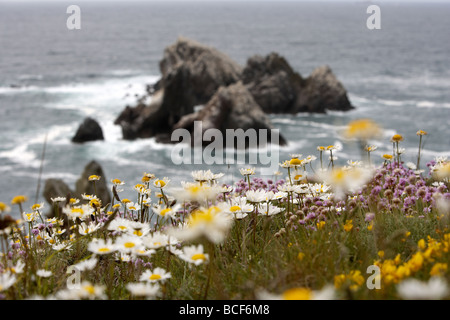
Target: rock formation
point(89, 130)
point(193, 74)
point(58, 188)
point(83, 185)
point(231, 107)
point(277, 88)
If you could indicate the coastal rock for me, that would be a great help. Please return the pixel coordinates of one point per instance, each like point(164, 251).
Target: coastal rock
point(272, 82)
point(277, 88)
point(322, 91)
point(197, 69)
point(83, 185)
point(89, 130)
point(191, 74)
point(55, 188)
point(231, 107)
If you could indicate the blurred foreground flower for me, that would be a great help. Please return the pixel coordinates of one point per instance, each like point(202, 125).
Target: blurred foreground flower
point(326, 293)
point(412, 289)
point(211, 223)
point(346, 180)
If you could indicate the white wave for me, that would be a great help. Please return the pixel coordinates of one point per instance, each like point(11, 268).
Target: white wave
point(35, 77)
point(6, 168)
point(18, 90)
point(21, 155)
point(431, 104)
point(393, 103)
point(322, 125)
point(425, 80)
point(56, 134)
point(122, 72)
point(356, 100)
point(66, 176)
point(425, 104)
point(283, 121)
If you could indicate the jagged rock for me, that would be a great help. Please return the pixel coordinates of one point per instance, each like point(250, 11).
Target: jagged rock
point(199, 69)
point(272, 82)
point(56, 188)
point(323, 91)
point(191, 74)
point(231, 107)
point(83, 185)
point(277, 88)
point(89, 130)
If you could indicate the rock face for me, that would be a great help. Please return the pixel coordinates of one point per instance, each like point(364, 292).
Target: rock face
point(322, 92)
point(89, 130)
point(191, 74)
point(231, 107)
point(272, 82)
point(58, 188)
point(83, 185)
point(277, 88)
point(197, 75)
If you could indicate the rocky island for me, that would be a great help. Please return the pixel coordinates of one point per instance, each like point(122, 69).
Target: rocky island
point(230, 96)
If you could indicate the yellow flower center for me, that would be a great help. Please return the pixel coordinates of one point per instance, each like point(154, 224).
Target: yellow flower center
point(138, 233)
point(421, 133)
point(164, 211)
point(297, 294)
point(19, 199)
point(77, 210)
point(295, 162)
point(235, 208)
point(198, 256)
point(3, 207)
point(104, 250)
point(90, 289)
point(155, 277)
point(129, 245)
point(397, 137)
point(203, 216)
point(160, 183)
point(363, 129)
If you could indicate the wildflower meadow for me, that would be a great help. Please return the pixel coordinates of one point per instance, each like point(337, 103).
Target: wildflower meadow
point(376, 228)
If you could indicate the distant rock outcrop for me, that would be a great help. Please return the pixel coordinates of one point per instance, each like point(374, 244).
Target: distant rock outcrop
point(89, 130)
point(272, 82)
point(277, 88)
point(193, 74)
point(58, 188)
point(83, 185)
point(322, 92)
point(231, 107)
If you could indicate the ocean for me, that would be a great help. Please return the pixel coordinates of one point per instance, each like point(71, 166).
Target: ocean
point(51, 78)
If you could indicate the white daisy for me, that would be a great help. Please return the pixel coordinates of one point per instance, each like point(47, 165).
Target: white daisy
point(156, 275)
